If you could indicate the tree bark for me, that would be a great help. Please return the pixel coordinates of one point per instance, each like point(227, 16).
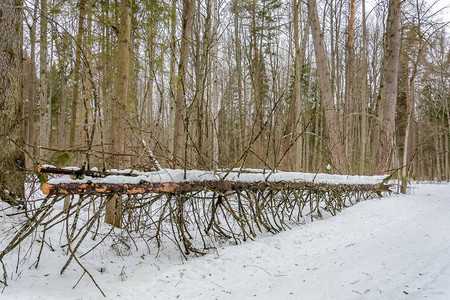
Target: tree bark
point(332, 126)
point(120, 103)
point(77, 70)
point(31, 130)
point(121, 107)
point(173, 79)
point(257, 94)
point(215, 92)
point(350, 107)
point(43, 82)
point(237, 45)
point(180, 126)
point(290, 138)
point(389, 88)
point(364, 101)
point(12, 158)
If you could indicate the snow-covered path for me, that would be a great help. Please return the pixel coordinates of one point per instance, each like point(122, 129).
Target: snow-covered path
point(397, 247)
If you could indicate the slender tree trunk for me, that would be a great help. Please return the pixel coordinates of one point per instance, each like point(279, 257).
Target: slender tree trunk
point(290, 133)
point(348, 134)
point(61, 116)
point(62, 108)
point(77, 70)
point(315, 164)
point(202, 67)
point(335, 143)
point(106, 83)
point(237, 44)
point(438, 154)
point(43, 82)
point(50, 101)
point(257, 82)
point(12, 160)
point(404, 164)
point(446, 144)
point(173, 79)
point(121, 107)
point(364, 101)
point(300, 122)
point(31, 134)
point(215, 93)
point(87, 43)
point(151, 67)
point(389, 90)
point(180, 126)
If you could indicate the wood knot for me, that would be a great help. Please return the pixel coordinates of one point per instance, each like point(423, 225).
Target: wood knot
point(223, 186)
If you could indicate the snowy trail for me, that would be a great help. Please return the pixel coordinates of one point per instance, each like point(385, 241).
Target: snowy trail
point(397, 247)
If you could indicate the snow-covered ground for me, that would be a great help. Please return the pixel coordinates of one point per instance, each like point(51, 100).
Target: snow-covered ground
point(397, 247)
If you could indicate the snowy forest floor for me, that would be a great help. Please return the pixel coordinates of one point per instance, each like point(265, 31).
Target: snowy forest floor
point(397, 247)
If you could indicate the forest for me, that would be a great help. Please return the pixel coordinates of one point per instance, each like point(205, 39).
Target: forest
point(345, 87)
point(193, 125)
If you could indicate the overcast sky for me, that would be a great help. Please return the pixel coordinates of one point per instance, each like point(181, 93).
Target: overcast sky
point(443, 6)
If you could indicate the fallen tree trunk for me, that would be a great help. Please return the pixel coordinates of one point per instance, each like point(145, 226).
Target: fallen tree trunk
point(219, 186)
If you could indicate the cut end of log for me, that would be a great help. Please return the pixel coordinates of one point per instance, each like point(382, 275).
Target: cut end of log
point(45, 188)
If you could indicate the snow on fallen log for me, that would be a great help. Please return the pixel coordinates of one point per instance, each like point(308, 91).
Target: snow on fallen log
point(75, 181)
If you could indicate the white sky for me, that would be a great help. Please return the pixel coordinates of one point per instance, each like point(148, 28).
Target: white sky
point(443, 6)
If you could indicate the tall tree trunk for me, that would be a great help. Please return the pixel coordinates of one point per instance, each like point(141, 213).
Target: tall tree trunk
point(148, 120)
point(12, 160)
point(446, 142)
point(63, 105)
point(406, 144)
point(364, 101)
point(348, 133)
point(106, 90)
point(180, 126)
point(121, 107)
point(389, 89)
point(49, 78)
point(437, 155)
point(332, 126)
point(293, 158)
point(62, 115)
point(237, 44)
point(77, 70)
point(300, 122)
point(173, 79)
point(87, 43)
point(257, 95)
point(31, 130)
point(215, 92)
point(43, 82)
point(202, 63)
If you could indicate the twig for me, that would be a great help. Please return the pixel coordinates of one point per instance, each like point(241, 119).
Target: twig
point(280, 275)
